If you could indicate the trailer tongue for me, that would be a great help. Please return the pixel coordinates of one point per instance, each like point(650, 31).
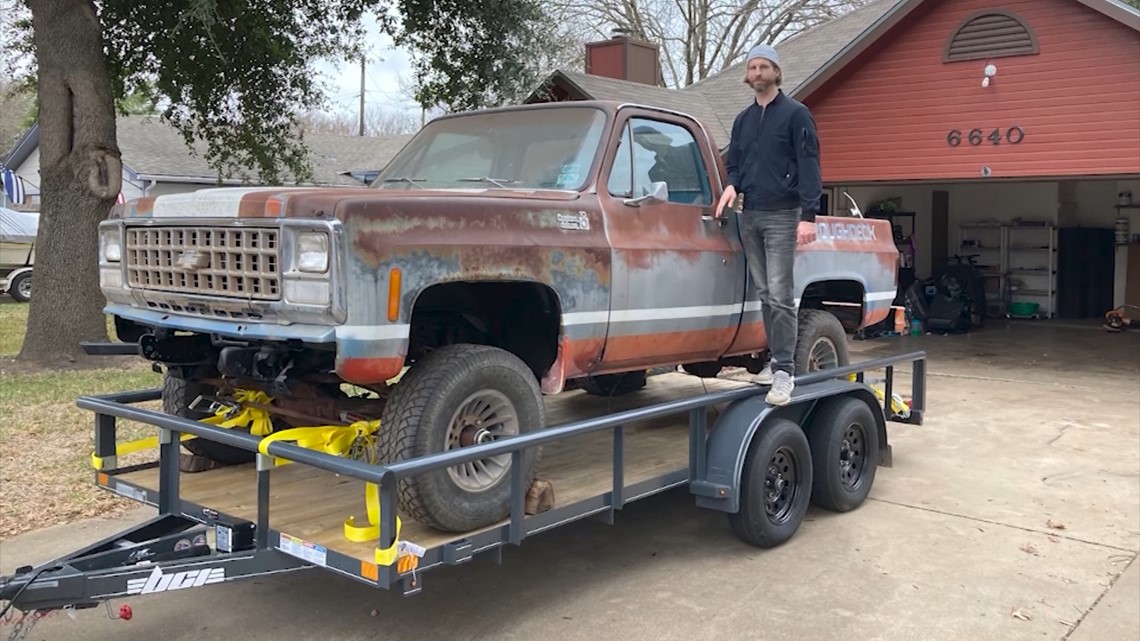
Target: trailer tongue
point(759, 464)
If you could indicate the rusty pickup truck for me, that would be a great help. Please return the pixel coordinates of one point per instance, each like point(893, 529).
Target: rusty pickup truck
point(501, 256)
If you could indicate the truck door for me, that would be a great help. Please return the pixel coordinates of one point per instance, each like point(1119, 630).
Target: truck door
point(677, 275)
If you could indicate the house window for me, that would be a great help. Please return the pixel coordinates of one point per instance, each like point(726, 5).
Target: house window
point(992, 33)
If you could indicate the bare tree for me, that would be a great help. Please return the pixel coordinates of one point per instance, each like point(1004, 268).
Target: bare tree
point(698, 38)
point(377, 122)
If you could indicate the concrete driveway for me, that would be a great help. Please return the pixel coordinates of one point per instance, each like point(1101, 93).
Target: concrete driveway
point(1014, 513)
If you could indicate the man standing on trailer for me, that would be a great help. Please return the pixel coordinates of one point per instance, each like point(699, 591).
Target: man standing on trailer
point(773, 161)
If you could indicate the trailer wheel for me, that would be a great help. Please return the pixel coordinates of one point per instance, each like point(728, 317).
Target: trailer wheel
point(615, 384)
point(461, 395)
point(20, 288)
point(775, 488)
point(177, 395)
point(822, 342)
point(844, 440)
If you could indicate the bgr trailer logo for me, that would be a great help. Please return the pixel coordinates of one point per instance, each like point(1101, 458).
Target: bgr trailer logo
point(159, 582)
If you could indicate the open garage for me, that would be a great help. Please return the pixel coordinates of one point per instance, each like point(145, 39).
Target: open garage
point(1004, 137)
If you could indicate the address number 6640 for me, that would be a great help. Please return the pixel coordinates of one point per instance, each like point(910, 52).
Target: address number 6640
point(1013, 135)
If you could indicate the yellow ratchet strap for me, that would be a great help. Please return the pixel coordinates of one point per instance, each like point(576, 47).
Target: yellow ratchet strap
point(130, 447)
point(257, 419)
point(338, 441)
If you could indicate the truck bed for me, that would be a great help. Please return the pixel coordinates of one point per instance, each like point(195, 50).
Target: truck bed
point(311, 504)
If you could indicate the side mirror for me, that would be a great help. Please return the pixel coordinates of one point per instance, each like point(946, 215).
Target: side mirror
point(658, 193)
point(855, 211)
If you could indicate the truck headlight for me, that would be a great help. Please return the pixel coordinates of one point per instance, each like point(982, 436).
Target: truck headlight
point(312, 253)
point(112, 246)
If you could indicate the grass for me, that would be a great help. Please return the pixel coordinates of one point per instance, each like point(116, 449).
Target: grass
point(46, 441)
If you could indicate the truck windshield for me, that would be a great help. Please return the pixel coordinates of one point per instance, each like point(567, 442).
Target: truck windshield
point(518, 149)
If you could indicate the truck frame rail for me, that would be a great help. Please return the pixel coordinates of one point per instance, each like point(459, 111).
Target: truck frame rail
point(191, 545)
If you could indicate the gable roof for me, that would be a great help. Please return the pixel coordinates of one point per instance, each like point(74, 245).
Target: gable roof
point(808, 60)
point(155, 150)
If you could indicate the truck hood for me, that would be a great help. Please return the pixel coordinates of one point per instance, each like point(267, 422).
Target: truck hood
point(303, 202)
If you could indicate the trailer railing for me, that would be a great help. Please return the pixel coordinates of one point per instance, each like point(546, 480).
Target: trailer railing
point(110, 407)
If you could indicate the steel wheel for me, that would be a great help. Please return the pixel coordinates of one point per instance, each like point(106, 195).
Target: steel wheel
point(823, 355)
point(780, 486)
point(482, 417)
point(25, 288)
point(852, 457)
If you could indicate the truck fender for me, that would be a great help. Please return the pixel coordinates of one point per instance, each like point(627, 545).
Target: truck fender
point(717, 484)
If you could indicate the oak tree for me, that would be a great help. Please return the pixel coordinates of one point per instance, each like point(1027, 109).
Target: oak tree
point(233, 75)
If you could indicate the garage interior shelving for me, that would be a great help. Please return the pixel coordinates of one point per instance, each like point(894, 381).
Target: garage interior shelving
point(1020, 262)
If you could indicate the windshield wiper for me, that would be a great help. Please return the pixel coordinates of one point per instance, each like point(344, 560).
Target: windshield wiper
point(413, 181)
point(498, 182)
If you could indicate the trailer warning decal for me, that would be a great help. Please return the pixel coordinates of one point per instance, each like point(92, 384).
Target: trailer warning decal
point(311, 552)
point(159, 582)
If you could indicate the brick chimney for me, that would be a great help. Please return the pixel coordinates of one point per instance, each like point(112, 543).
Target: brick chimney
point(624, 57)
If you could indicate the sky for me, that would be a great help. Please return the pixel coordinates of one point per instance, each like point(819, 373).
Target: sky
point(385, 67)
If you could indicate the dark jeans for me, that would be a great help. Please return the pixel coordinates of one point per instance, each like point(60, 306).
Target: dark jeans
point(770, 247)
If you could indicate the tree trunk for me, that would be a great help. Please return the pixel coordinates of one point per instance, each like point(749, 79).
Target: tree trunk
point(80, 176)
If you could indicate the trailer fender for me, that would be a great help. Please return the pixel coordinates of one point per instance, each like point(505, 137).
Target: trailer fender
point(717, 483)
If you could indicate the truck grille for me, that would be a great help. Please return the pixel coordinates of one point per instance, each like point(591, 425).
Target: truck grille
point(213, 261)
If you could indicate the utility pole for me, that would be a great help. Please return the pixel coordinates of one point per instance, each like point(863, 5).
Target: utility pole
point(361, 94)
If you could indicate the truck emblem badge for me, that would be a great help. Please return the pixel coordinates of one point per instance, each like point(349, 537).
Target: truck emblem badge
point(193, 260)
point(845, 231)
point(159, 582)
point(574, 222)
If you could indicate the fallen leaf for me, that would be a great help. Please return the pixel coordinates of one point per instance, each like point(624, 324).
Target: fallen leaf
point(1018, 614)
point(1029, 549)
point(1052, 524)
point(1053, 539)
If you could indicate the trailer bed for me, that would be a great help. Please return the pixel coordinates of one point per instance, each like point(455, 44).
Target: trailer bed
point(312, 504)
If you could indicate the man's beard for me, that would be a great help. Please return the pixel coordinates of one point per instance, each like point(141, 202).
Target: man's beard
point(760, 85)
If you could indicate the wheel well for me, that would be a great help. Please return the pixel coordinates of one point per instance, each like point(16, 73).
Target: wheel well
point(521, 317)
point(842, 298)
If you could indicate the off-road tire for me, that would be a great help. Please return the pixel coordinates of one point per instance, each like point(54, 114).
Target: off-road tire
point(823, 328)
point(752, 523)
point(177, 395)
point(615, 384)
point(417, 421)
point(844, 438)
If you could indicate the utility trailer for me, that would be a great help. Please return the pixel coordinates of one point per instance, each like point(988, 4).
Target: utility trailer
point(757, 463)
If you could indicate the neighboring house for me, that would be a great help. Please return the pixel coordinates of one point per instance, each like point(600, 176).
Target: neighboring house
point(908, 117)
point(157, 161)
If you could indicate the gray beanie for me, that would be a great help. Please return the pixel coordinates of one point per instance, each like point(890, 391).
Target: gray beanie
point(764, 51)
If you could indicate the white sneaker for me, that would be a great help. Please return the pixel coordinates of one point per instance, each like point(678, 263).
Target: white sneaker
point(764, 377)
point(782, 387)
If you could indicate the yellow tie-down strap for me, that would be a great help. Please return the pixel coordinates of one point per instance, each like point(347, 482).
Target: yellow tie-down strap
point(256, 419)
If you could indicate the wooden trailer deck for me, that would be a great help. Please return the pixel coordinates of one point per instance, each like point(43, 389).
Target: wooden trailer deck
point(313, 504)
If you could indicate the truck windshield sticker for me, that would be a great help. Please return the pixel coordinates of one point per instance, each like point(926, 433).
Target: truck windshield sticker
point(569, 175)
point(845, 231)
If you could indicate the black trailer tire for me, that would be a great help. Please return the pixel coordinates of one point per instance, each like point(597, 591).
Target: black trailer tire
point(615, 384)
point(177, 395)
point(425, 415)
point(772, 506)
point(20, 288)
point(844, 438)
point(821, 342)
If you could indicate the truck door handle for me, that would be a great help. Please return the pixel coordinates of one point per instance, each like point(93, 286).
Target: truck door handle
point(722, 221)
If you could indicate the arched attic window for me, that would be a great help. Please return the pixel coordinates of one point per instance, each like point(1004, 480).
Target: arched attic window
point(991, 33)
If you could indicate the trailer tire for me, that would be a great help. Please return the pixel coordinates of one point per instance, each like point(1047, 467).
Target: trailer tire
point(844, 439)
point(821, 342)
point(177, 395)
point(615, 384)
point(424, 416)
point(778, 450)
